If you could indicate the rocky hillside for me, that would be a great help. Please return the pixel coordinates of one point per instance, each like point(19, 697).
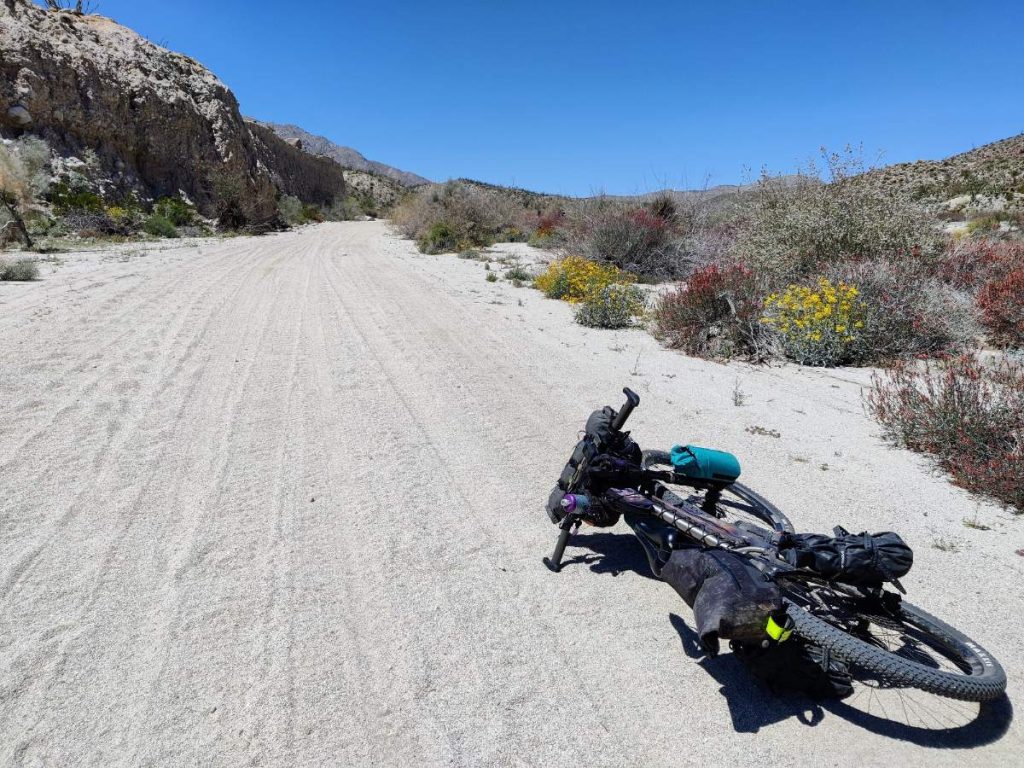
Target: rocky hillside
point(994, 170)
point(344, 156)
point(159, 121)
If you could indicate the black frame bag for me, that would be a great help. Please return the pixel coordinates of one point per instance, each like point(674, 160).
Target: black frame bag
point(730, 598)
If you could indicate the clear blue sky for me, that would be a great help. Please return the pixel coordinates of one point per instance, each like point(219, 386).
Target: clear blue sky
point(587, 95)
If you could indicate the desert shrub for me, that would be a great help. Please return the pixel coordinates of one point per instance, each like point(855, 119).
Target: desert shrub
point(440, 238)
point(290, 209)
point(632, 238)
point(125, 219)
point(906, 310)
point(966, 414)
point(66, 196)
point(574, 278)
point(176, 211)
point(159, 226)
point(19, 270)
point(613, 306)
point(491, 277)
point(817, 324)
point(229, 192)
point(35, 156)
point(547, 233)
point(472, 215)
point(1001, 302)
point(794, 226)
point(969, 263)
point(518, 272)
point(715, 313)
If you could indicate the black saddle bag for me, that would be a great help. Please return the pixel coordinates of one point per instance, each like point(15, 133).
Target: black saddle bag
point(730, 598)
point(863, 559)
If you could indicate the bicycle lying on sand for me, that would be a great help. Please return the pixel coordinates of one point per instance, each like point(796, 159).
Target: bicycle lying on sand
point(750, 578)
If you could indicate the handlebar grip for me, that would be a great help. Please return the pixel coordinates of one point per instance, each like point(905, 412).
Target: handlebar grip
point(632, 401)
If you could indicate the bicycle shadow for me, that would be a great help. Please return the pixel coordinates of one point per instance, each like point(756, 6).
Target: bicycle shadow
point(613, 553)
point(754, 705)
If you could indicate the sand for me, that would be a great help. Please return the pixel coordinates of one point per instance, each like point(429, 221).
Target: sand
point(278, 501)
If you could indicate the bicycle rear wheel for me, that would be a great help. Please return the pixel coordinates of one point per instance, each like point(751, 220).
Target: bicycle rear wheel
point(894, 644)
point(738, 504)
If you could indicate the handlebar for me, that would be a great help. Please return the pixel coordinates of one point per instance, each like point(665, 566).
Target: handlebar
point(632, 401)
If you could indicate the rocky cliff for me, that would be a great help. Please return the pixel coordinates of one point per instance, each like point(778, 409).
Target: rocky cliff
point(159, 121)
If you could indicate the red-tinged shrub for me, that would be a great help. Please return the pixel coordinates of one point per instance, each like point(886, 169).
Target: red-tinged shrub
point(966, 414)
point(638, 240)
point(715, 313)
point(1001, 302)
point(549, 223)
point(969, 264)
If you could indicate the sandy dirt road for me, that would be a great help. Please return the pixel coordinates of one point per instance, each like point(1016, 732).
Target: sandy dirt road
point(278, 501)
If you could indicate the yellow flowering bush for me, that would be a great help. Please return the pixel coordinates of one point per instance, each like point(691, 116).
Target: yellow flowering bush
point(819, 324)
point(574, 279)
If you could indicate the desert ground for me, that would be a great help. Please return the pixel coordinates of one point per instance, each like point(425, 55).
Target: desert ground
point(278, 501)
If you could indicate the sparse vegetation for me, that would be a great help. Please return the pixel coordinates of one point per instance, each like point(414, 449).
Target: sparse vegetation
point(796, 226)
point(614, 306)
point(968, 415)
point(19, 270)
point(715, 313)
point(159, 226)
point(460, 215)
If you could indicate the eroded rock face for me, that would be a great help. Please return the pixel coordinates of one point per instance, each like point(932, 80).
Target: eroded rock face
point(159, 121)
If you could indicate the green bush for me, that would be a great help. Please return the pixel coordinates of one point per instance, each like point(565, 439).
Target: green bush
point(229, 193)
point(159, 226)
point(312, 214)
point(19, 270)
point(440, 238)
point(517, 272)
point(175, 210)
point(65, 197)
point(614, 306)
point(290, 209)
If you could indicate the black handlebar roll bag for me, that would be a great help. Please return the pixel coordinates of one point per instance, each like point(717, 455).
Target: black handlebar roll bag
point(730, 598)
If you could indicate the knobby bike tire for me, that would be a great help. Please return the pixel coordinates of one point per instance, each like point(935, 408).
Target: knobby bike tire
point(985, 681)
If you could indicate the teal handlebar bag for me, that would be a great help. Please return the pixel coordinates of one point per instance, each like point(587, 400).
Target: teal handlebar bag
point(706, 464)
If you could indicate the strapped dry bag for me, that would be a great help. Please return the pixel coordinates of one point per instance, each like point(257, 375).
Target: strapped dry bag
point(863, 559)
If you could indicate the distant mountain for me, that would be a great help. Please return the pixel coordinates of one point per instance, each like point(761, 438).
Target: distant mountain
point(344, 156)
